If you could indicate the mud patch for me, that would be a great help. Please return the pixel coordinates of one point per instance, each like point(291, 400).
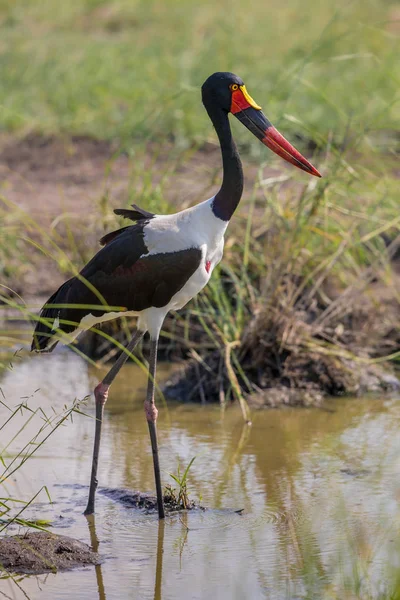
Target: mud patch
point(314, 377)
point(42, 552)
point(145, 501)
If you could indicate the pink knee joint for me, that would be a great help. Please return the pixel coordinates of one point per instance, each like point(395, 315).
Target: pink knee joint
point(101, 393)
point(151, 412)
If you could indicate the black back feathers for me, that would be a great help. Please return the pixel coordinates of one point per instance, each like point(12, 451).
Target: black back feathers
point(136, 215)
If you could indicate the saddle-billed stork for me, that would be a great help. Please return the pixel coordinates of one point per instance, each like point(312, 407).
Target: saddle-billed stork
point(162, 261)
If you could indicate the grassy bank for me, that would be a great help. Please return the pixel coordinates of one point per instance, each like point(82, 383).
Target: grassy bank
point(307, 290)
point(308, 284)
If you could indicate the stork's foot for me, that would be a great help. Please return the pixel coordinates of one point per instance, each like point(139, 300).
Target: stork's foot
point(101, 393)
point(89, 510)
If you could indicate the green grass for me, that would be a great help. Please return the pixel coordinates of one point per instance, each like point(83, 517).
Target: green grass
point(180, 495)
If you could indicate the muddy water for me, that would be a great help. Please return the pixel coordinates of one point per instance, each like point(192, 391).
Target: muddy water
point(320, 491)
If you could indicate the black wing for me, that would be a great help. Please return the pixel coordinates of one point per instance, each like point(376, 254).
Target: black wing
point(124, 275)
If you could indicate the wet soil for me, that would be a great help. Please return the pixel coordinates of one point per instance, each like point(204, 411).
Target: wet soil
point(317, 378)
point(41, 552)
point(147, 502)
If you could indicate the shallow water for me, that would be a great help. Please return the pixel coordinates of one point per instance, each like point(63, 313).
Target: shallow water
point(320, 490)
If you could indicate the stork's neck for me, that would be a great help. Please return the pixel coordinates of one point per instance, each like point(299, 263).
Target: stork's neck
point(228, 197)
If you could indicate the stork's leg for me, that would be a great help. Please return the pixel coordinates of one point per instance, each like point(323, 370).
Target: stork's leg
point(101, 395)
point(151, 416)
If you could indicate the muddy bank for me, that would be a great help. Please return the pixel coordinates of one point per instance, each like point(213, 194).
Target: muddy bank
point(298, 353)
point(41, 552)
point(318, 378)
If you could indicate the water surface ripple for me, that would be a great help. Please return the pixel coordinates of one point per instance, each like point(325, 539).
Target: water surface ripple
point(304, 504)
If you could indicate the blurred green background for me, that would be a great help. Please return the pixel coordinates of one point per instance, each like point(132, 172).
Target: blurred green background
point(128, 69)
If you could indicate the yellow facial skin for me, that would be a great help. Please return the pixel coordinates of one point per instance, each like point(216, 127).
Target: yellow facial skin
point(249, 99)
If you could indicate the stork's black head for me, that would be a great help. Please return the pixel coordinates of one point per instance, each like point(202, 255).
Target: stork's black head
point(227, 91)
point(218, 89)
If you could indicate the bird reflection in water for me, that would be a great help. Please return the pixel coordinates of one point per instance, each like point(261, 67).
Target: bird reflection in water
point(94, 543)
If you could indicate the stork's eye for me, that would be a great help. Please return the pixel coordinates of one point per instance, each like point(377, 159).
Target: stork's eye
point(234, 87)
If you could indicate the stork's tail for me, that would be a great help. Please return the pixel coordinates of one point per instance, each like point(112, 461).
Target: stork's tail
point(45, 336)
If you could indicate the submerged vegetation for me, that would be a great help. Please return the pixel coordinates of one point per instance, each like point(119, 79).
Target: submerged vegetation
point(180, 496)
point(24, 430)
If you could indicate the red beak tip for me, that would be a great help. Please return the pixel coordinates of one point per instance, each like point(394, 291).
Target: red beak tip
point(278, 144)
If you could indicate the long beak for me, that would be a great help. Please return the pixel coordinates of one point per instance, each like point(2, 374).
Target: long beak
point(255, 120)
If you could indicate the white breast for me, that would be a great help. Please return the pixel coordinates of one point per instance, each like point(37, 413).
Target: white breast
point(194, 227)
point(199, 279)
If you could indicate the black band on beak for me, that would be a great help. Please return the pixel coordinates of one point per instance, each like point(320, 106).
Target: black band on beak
point(262, 128)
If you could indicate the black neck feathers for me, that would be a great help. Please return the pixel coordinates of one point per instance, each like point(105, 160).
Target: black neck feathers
point(228, 197)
